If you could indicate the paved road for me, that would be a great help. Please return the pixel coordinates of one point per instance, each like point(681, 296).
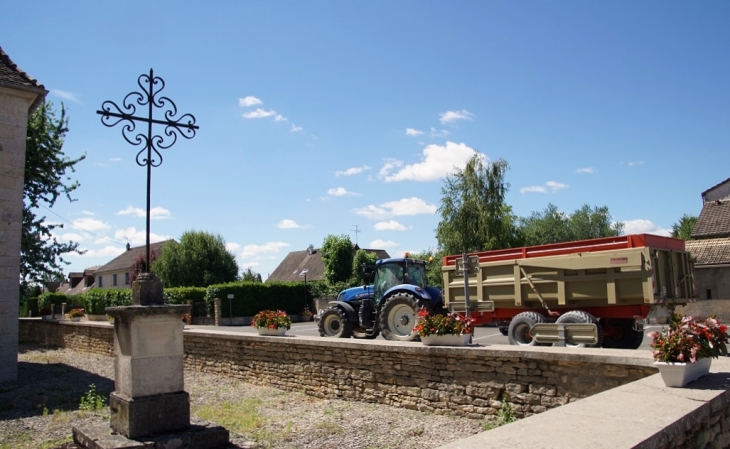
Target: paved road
point(482, 335)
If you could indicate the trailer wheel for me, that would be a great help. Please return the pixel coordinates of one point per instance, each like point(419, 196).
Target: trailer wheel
point(398, 317)
point(503, 330)
point(619, 333)
point(334, 323)
point(579, 316)
point(367, 334)
point(518, 332)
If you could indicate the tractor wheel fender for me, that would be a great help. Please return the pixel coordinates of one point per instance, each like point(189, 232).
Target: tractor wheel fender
point(347, 308)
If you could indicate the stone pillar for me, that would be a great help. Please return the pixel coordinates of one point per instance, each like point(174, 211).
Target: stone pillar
point(217, 311)
point(14, 105)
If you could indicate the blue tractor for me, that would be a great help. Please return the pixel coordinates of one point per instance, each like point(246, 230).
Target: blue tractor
point(389, 306)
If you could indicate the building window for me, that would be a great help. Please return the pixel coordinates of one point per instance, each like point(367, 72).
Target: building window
point(100, 283)
point(126, 278)
point(709, 293)
point(114, 280)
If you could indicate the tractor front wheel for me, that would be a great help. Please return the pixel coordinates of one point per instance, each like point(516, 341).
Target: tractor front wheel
point(334, 323)
point(398, 317)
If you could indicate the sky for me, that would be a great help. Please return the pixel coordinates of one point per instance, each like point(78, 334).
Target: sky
point(344, 118)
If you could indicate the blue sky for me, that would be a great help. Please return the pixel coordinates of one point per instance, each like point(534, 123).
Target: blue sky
point(319, 116)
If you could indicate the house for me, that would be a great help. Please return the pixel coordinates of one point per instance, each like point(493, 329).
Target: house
point(310, 259)
point(710, 244)
point(78, 283)
point(118, 272)
point(20, 95)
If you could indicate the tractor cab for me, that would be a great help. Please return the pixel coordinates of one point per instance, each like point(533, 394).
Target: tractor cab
point(392, 272)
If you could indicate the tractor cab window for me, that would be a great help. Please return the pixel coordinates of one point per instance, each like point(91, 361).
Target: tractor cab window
point(388, 275)
point(417, 275)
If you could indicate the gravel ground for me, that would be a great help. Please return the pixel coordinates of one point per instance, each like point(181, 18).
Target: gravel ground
point(39, 409)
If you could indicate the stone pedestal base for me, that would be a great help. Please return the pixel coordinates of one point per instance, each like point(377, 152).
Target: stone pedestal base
point(198, 436)
point(148, 415)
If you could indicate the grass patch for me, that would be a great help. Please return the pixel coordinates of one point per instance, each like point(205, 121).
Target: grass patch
point(504, 416)
point(328, 428)
point(243, 416)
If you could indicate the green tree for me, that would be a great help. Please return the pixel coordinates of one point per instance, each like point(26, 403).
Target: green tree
point(199, 260)
point(474, 215)
point(337, 258)
point(362, 257)
point(683, 229)
point(46, 166)
point(554, 226)
point(249, 275)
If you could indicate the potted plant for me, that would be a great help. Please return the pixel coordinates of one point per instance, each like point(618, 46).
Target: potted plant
point(187, 319)
point(684, 351)
point(306, 314)
point(269, 322)
point(46, 313)
point(76, 314)
point(444, 330)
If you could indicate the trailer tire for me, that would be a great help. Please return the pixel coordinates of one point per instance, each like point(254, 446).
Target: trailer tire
point(398, 317)
point(579, 316)
point(621, 334)
point(361, 332)
point(334, 323)
point(518, 332)
point(503, 330)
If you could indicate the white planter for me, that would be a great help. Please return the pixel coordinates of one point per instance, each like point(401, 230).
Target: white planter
point(76, 319)
point(680, 374)
point(446, 340)
point(272, 332)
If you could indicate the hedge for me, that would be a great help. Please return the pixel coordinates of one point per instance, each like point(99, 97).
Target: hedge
point(99, 299)
point(249, 298)
point(180, 295)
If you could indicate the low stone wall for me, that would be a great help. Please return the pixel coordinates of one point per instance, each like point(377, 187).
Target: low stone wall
point(470, 382)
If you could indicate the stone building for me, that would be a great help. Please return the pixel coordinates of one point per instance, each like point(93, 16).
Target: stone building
point(310, 259)
point(117, 273)
point(710, 247)
point(20, 95)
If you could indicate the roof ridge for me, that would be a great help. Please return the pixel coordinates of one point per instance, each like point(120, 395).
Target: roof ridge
point(13, 66)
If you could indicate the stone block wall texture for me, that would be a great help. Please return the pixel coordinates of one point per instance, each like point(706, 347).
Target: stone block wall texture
point(469, 382)
point(13, 124)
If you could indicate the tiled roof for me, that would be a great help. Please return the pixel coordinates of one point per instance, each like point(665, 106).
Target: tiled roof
point(714, 187)
point(714, 221)
point(291, 267)
point(709, 251)
point(11, 74)
point(127, 258)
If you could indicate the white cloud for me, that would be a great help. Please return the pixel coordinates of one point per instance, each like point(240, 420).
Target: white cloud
point(340, 191)
point(156, 213)
point(72, 236)
point(107, 251)
point(641, 226)
point(258, 251)
point(452, 116)
point(249, 101)
point(635, 163)
point(552, 185)
point(86, 212)
point(405, 206)
point(588, 170)
point(115, 159)
point(538, 189)
point(233, 247)
point(290, 224)
point(388, 166)
point(381, 244)
point(555, 186)
point(70, 96)
point(352, 171)
point(138, 238)
point(259, 113)
point(438, 162)
point(434, 133)
point(280, 118)
point(391, 225)
point(413, 132)
point(295, 128)
point(90, 224)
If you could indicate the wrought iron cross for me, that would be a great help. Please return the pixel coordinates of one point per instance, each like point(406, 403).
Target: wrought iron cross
point(149, 155)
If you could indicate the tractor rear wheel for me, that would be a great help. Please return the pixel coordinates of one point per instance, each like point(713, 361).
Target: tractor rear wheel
point(518, 332)
point(398, 317)
point(334, 323)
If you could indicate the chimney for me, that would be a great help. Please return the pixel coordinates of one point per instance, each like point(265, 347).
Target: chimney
point(128, 246)
point(310, 249)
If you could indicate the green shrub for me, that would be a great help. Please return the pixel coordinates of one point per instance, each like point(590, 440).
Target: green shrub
point(98, 299)
point(253, 297)
point(51, 298)
point(179, 295)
